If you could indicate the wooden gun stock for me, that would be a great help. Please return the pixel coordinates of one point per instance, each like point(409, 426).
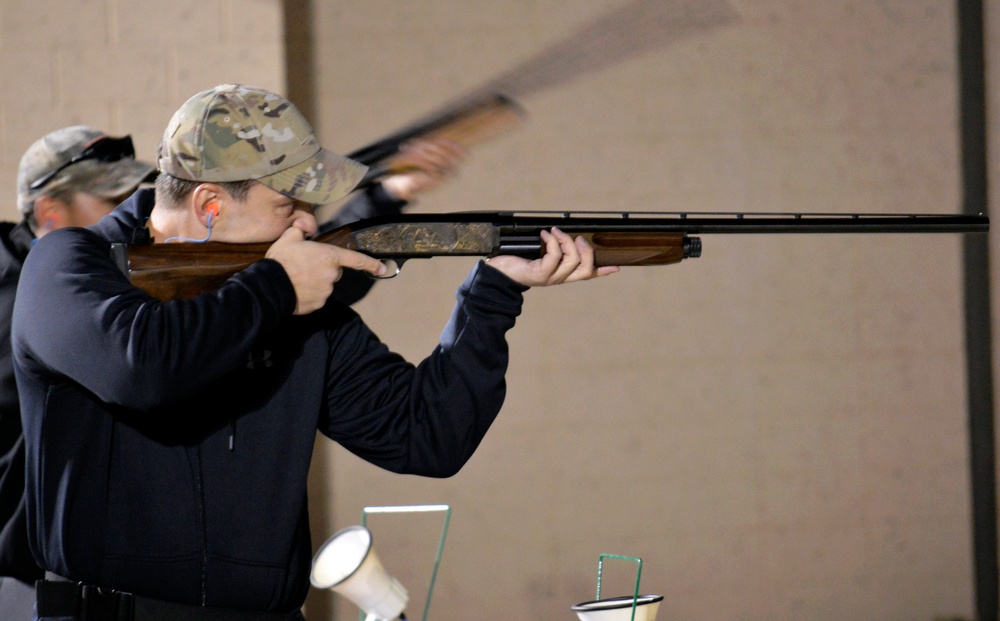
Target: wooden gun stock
point(171, 271)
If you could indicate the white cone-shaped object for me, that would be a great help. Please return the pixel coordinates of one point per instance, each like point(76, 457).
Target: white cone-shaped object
point(619, 608)
point(346, 563)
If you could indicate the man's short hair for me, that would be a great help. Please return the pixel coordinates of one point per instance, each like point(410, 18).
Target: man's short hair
point(236, 133)
point(115, 176)
point(171, 191)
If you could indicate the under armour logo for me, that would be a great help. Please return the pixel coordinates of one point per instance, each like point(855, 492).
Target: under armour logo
point(261, 361)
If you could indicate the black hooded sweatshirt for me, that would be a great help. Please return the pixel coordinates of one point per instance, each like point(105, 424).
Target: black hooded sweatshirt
point(15, 555)
point(168, 443)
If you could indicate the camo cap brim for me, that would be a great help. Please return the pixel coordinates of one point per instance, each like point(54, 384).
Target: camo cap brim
point(322, 179)
point(111, 180)
point(236, 133)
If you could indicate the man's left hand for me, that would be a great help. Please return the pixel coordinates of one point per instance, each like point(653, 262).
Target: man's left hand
point(565, 260)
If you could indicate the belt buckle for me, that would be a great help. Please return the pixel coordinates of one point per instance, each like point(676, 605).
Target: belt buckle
point(97, 604)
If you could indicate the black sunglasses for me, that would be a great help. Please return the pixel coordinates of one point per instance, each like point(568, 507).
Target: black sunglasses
point(105, 149)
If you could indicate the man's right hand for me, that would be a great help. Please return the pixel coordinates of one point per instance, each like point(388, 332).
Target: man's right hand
point(313, 267)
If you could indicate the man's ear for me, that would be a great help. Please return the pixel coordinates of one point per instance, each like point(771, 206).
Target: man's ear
point(206, 199)
point(50, 214)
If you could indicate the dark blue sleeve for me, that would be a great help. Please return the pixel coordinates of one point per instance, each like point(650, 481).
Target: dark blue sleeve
point(426, 419)
point(77, 311)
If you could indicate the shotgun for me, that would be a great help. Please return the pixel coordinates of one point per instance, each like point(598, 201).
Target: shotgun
point(626, 31)
point(179, 271)
point(469, 121)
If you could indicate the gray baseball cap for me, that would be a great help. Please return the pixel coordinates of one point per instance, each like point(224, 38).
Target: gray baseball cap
point(82, 159)
point(236, 133)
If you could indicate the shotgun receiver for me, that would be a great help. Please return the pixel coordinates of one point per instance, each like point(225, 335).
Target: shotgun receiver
point(169, 271)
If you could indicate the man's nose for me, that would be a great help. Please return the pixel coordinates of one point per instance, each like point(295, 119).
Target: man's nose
point(306, 219)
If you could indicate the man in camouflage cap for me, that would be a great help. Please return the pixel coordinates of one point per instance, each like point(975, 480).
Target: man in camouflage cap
point(64, 174)
point(235, 133)
point(169, 442)
point(70, 177)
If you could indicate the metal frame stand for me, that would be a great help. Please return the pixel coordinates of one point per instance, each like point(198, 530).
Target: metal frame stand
point(638, 576)
point(440, 548)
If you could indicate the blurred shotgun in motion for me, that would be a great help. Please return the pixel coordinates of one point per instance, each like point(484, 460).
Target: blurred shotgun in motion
point(172, 271)
point(468, 122)
point(626, 31)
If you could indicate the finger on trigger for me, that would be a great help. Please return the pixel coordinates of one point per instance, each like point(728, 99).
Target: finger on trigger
point(359, 261)
point(375, 267)
point(371, 265)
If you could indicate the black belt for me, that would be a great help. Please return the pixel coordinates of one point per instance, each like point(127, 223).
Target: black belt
point(85, 602)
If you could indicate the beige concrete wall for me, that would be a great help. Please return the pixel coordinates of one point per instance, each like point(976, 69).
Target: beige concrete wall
point(776, 428)
point(123, 66)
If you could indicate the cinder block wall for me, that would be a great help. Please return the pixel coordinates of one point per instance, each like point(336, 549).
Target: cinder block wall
point(776, 428)
point(123, 66)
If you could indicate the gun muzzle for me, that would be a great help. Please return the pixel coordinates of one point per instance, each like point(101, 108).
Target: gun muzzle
point(692, 247)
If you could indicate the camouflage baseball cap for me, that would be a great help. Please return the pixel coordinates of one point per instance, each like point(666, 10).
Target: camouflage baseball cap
point(235, 132)
point(111, 176)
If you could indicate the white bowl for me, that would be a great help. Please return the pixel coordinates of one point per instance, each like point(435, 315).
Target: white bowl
point(619, 608)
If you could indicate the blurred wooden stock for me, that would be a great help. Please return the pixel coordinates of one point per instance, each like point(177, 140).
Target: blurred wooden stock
point(469, 122)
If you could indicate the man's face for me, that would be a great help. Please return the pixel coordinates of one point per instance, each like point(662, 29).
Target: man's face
point(263, 217)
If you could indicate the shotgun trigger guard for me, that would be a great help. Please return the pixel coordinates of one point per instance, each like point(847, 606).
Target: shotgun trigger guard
point(395, 267)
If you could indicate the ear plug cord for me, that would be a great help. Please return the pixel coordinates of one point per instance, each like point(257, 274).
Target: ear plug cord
point(196, 241)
